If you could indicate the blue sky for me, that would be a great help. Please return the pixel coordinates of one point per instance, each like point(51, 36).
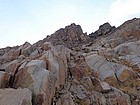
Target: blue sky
point(33, 20)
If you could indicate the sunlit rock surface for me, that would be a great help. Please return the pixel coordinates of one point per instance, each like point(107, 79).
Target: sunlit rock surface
point(71, 68)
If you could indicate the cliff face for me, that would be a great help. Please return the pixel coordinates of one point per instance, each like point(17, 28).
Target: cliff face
point(72, 68)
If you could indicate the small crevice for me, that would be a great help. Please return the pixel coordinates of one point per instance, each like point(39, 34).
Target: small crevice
point(12, 78)
point(20, 52)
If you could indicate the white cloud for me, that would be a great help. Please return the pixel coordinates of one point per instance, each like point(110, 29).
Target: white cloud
point(122, 10)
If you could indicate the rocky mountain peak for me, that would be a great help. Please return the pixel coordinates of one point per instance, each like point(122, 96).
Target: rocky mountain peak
point(103, 30)
point(70, 36)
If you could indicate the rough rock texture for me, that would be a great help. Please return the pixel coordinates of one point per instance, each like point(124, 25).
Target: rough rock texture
point(71, 68)
point(71, 36)
point(15, 97)
point(103, 30)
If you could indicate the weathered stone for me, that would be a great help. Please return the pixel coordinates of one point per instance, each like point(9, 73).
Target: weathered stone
point(115, 97)
point(13, 66)
point(112, 81)
point(70, 36)
point(125, 75)
point(27, 51)
point(80, 69)
point(46, 46)
point(105, 86)
point(65, 99)
point(103, 30)
point(11, 55)
point(35, 77)
point(103, 70)
point(98, 98)
point(130, 48)
point(56, 61)
point(101, 65)
point(15, 97)
point(87, 83)
point(4, 79)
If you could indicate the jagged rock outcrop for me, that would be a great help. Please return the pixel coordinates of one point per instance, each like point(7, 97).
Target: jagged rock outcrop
point(128, 31)
point(71, 68)
point(103, 30)
point(71, 36)
point(43, 75)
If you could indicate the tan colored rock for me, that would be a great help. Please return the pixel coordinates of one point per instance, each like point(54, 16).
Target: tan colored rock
point(25, 49)
point(46, 46)
point(125, 75)
point(11, 55)
point(13, 66)
point(15, 97)
point(56, 62)
point(40, 81)
point(112, 81)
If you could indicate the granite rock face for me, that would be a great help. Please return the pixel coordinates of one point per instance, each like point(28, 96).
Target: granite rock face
point(72, 68)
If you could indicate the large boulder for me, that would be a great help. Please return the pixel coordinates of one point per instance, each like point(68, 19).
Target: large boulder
point(35, 77)
point(56, 61)
point(44, 76)
point(100, 65)
point(130, 48)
